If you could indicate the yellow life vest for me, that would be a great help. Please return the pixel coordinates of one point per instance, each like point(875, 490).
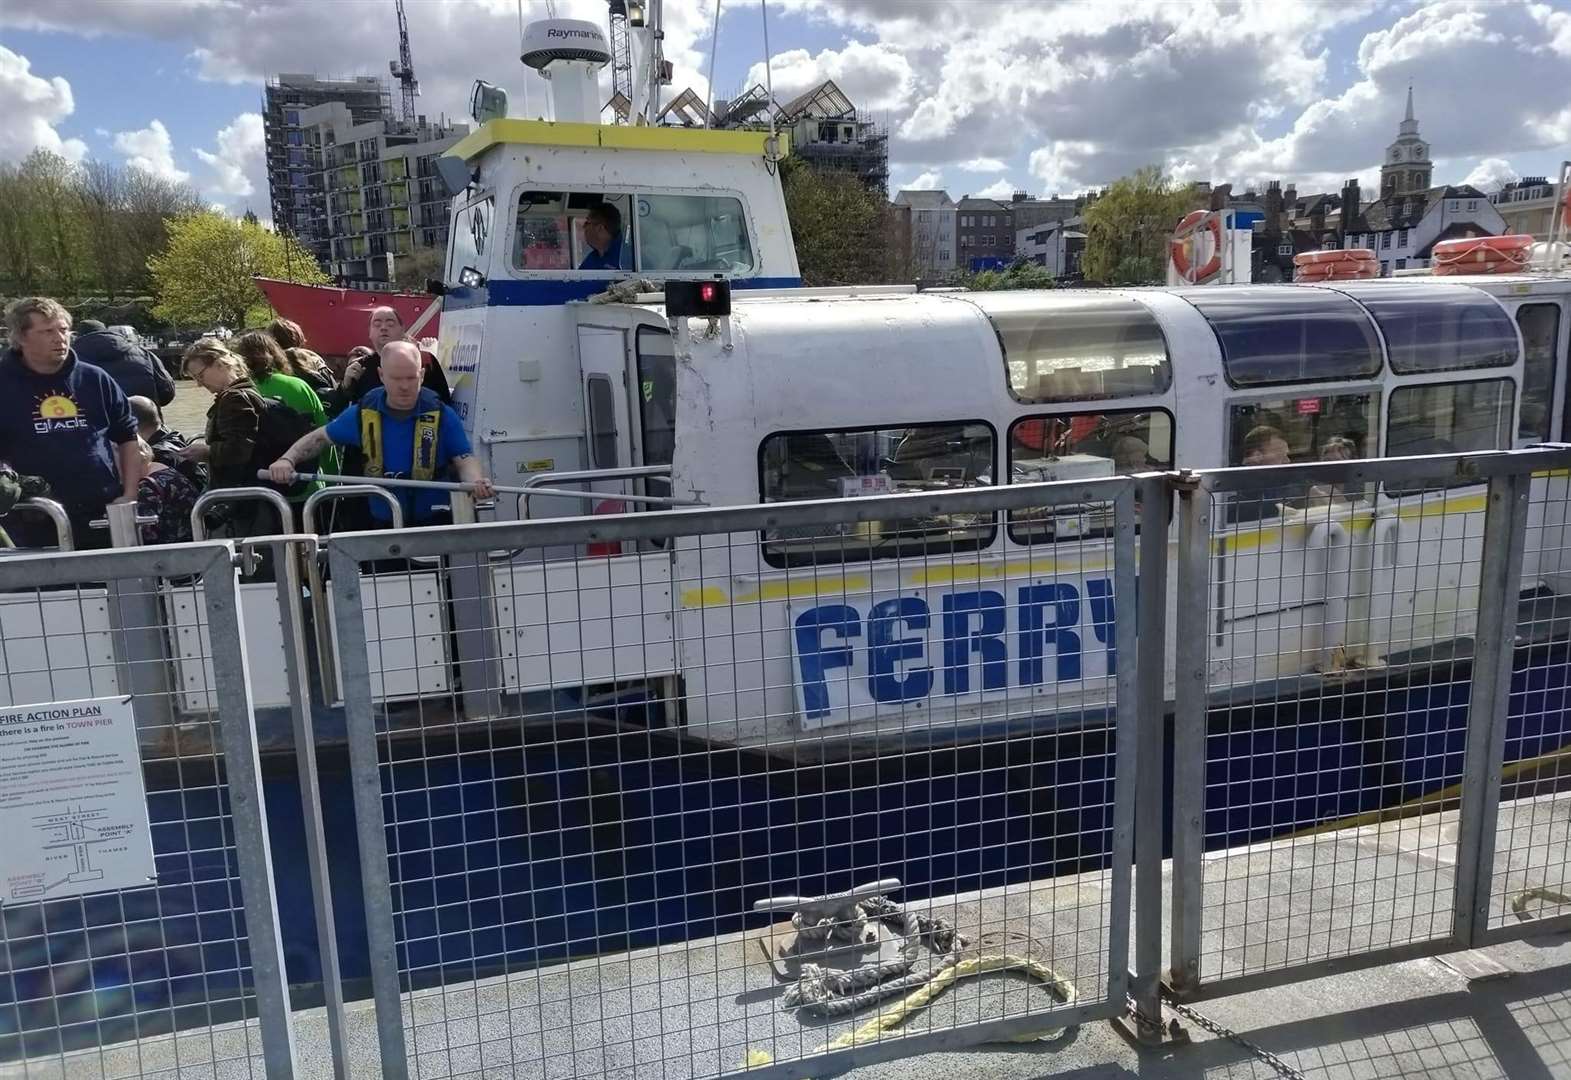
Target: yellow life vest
point(423, 465)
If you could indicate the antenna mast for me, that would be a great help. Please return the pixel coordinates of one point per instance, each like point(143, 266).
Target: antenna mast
point(621, 52)
point(403, 68)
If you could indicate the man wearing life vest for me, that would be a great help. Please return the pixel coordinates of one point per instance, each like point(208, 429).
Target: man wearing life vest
point(403, 431)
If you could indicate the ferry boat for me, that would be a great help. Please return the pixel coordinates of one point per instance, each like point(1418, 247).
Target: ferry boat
point(334, 319)
point(562, 364)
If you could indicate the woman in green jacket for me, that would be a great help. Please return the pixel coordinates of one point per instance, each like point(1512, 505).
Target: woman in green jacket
point(266, 361)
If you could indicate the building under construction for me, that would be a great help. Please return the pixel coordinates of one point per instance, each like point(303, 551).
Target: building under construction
point(826, 129)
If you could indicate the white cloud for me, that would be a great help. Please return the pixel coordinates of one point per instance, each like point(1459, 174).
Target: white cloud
point(998, 189)
point(239, 165)
point(151, 150)
point(30, 107)
point(983, 165)
point(923, 181)
point(875, 77)
point(1491, 174)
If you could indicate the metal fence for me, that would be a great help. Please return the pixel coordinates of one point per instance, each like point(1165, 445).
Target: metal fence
point(180, 973)
point(598, 764)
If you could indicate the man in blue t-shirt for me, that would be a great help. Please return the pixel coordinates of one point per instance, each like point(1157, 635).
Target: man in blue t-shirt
point(603, 234)
point(403, 432)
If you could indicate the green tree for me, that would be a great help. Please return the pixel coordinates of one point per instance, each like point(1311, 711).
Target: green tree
point(1128, 228)
point(1019, 275)
point(205, 275)
point(412, 270)
point(844, 232)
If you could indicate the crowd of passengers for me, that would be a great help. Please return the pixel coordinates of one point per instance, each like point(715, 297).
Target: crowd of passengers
point(82, 424)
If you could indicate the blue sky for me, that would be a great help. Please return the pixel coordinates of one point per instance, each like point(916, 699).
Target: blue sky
point(979, 95)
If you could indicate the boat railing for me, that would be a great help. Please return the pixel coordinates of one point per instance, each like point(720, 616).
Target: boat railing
point(56, 515)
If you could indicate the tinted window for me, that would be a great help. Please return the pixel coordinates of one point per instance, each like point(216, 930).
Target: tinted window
point(1288, 334)
point(1540, 326)
point(1436, 327)
point(602, 423)
point(550, 232)
point(700, 233)
point(876, 461)
point(1077, 348)
point(1449, 418)
point(1295, 430)
point(1081, 446)
point(657, 395)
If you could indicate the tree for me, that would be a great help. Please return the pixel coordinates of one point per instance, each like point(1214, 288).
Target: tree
point(101, 190)
point(204, 276)
point(1017, 275)
point(1128, 228)
point(412, 271)
point(843, 231)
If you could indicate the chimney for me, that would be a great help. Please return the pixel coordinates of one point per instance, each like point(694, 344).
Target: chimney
point(1274, 206)
point(1290, 196)
point(1352, 208)
point(1219, 196)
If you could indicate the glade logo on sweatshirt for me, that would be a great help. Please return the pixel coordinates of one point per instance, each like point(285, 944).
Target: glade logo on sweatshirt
point(57, 412)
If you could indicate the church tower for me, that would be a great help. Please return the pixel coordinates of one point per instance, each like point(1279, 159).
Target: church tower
point(1406, 167)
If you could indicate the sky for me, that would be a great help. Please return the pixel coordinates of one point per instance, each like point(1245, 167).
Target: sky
point(980, 97)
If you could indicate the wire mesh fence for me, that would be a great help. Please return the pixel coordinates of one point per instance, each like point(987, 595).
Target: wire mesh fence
point(730, 715)
point(138, 934)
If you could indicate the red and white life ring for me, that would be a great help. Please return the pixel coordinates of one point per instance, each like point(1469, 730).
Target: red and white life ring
point(1334, 256)
point(1184, 240)
point(1343, 271)
point(604, 549)
point(1483, 254)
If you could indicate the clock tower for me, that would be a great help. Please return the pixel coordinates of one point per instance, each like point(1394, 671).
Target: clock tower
point(1406, 167)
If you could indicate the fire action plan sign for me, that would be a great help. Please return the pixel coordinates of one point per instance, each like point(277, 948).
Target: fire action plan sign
point(73, 809)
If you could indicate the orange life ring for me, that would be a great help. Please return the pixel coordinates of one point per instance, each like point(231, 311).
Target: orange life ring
point(1346, 271)
point(1178, 247)
point(1483, 254)
point(603, 549)
point(1333, 256)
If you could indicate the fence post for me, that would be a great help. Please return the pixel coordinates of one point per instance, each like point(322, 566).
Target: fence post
point(286, 564)
point(1500, 586)
point(137, 620)
point(1191, 684)
point(242, 767)
point(370, 831)
point(1129, 755)
point(1151, 726)
point(469, 587)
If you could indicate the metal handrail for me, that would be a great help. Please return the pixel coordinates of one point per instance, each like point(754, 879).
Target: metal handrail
point(238, 494)
point(54, 512)
point(536, 485)
point(316, 498)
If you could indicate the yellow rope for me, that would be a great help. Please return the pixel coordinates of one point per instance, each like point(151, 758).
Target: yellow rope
point(1527, 896)
point(896, 1015)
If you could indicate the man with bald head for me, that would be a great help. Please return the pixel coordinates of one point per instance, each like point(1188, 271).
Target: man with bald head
point(363, 376)
point(403, 431)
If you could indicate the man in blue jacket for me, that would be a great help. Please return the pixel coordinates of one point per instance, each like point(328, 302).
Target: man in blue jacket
point(404, 432)
point(136, 369)
point(65, 421)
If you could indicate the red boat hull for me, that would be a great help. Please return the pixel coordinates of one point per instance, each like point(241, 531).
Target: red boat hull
point(334, 319)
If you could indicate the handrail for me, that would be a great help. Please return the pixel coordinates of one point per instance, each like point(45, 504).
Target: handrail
point(238, 494)
point(536, 485)
point(321, 495)
point(54, 512)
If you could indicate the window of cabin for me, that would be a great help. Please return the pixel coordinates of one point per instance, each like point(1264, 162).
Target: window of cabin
point(656, 395)
point(1288, 335)
point(1077, 348)
point(1294, 430)
point(1432, 327)
point(549, 231)
point(1449, 418)
point(471, 244)
point(1082, 446)
point(800, 465)
point(602, 422)
point(700, 233)
point(1540, 326)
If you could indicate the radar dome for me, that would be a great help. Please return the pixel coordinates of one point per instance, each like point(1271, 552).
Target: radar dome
point(549, 40)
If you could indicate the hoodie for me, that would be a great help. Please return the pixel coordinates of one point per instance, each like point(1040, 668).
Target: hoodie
point(136, 368)
point(64, 427)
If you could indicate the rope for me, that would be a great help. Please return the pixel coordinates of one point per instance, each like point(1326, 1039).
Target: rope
point(1527, 896)
point(839, 993)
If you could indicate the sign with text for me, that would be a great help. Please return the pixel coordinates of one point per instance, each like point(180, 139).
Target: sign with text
point(73, 808)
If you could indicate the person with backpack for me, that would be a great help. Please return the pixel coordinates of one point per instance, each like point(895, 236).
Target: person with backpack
point(244, 429)
point(268, 366)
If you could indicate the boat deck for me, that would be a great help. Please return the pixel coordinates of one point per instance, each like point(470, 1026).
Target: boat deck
point(696, 1009)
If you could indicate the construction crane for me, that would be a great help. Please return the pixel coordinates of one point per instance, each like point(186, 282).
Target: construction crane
point(621, 53)
point(403, 68)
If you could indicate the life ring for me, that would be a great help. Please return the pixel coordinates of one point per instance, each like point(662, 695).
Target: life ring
point(604, 549)
point(1344, 271)
point(1483, 254)
point(1183, 239)
point(1333, 256)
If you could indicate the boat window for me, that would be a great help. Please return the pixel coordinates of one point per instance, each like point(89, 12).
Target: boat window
point(876, 461)
point(471, 244)
point(1288, 334)
point(1449, 418)
point(589, 231)
point(1438, 327)
point(702, 233)
point(1296, 430)
point(657, 395)
point(1540, 326)
point(1077, 348)
point(602, 422)
point(1082, 446)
